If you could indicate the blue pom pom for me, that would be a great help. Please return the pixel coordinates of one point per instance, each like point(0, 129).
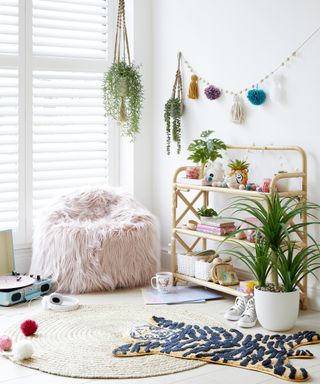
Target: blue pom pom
point(256, 96)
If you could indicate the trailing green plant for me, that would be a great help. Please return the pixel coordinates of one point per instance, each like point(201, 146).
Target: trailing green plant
point(172, 117)
point(259, 262)
point(276, 220)
point(238, 165)
point(173, 111)
point(293, 265)
point(205, 149)
point(123, 96)
point(207, 212)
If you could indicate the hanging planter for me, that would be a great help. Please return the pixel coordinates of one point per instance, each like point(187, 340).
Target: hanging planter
point(173, 110)
point(122, 87)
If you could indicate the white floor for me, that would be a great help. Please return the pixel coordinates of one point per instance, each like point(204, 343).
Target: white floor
point(214, 374)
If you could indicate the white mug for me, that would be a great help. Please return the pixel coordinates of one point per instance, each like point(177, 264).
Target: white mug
point(163, 282)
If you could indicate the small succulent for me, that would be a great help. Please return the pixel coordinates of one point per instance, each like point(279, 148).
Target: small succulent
point(238, 165)
point(207, 212)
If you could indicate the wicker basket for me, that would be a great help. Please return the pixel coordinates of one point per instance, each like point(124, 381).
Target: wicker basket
point(187, 263)
point(202, 270)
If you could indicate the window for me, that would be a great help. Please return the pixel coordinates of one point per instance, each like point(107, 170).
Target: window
point(53, 133)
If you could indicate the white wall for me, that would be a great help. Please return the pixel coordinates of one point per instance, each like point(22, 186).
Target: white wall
point(233, 44)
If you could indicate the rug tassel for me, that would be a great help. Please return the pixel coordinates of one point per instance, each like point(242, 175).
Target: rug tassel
point(123, 113)
point(237, 111)
point(193, 88)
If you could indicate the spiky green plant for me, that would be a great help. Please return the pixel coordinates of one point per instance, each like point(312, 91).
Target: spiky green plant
point(293, 265)
point(131, 103)
point(205, 149)
point(258, 262)
point(276, 219)
point(238, 165)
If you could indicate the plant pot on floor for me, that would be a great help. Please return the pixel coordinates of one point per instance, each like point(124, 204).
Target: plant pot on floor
point(277, 311)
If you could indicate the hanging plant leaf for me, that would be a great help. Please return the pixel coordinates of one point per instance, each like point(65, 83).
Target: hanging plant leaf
point(123, 96)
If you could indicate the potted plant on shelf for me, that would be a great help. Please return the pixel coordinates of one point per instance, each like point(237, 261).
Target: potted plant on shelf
point(282, 184)
point(207, 215)
point(279, 253)
point(238, 173)
point(205, 149)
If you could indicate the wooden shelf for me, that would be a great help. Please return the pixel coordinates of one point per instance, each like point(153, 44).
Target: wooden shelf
point(232, 191)
point(230, 290)
point(209, 236)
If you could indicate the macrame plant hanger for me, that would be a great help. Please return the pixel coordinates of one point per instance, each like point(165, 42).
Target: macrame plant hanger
point(121, 46)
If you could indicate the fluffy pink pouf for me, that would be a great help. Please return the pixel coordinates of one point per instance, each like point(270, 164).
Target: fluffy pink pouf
point(5, 343)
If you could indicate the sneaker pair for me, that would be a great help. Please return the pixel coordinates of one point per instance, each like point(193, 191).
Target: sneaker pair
point(243, 311)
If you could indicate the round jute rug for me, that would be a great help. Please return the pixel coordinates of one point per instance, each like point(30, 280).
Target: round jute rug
point(80, 343)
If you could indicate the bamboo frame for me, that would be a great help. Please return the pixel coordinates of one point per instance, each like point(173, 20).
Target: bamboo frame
point(177, 195)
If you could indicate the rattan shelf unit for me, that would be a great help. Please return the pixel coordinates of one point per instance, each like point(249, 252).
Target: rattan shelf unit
point(180, 195)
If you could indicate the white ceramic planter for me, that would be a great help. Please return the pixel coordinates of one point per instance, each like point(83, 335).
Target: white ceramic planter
point(209, 220)
point(283, 185)
point(277, 311)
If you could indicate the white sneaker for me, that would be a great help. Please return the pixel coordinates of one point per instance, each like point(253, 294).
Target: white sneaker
point(249, 317)
point(234, 313)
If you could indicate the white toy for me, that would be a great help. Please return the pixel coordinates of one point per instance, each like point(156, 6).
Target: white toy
point(231, 181)
point(213, 172)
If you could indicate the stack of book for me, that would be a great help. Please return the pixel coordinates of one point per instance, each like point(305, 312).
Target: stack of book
point(217, 227)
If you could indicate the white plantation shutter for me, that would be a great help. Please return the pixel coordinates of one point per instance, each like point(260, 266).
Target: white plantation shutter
point(54, 136)
point(70, 134)
point(9, 26)
point(9, 187)
point(68, 28)
point(9, 90)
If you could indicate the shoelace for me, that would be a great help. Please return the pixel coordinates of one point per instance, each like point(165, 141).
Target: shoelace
point(239, 304)
point(250, 310)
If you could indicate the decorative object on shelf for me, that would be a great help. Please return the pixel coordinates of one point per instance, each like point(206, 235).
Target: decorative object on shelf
point(223, 273)
point(213, 171)
point(122, 86)
point(212, 92)
point(5, 343)
point(266, 185)
point(192, 224)
point(186, 263)
point(193, 172)
point(239, 168)
point(256, 96)
point(247, 286)
point(282, 184)
point(237, 110)
point(277, 251)
point(270, 354)
point(173, 110)
point(205, 149)
point(193, 88)
point(251, 187)
point(216, 226)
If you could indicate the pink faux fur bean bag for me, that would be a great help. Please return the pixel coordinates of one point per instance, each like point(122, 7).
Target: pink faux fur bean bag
point(96, 240)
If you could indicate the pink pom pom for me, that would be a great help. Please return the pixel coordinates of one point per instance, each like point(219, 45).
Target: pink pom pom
point(29, 327)
point(5, 343)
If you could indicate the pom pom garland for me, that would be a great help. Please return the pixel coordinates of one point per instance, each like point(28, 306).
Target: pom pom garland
point(29, 327)
point(5, 343)
point(256, 96)
point(193, 88)
point(212, 92)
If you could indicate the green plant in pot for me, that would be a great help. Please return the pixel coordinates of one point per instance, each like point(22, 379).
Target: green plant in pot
point(281, 250)
point(122, 86)
point(205, 149)
point(207, 214)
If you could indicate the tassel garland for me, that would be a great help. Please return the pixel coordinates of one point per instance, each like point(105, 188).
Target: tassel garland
point(193, 88)
point(237, 111)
